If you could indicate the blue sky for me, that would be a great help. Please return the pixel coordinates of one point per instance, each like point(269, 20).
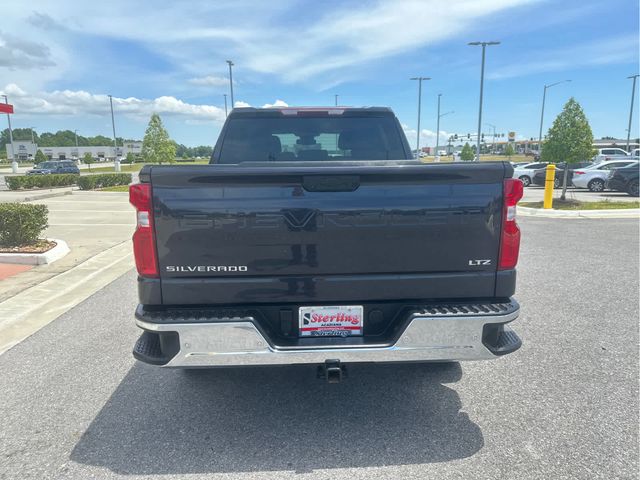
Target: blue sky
point(59, 61)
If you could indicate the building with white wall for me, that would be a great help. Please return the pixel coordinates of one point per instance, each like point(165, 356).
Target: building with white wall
point(26, 151)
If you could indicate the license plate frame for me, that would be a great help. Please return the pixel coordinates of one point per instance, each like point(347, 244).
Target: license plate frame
point(331, 321)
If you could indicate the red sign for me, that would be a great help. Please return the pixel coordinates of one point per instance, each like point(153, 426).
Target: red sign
point(6, 108)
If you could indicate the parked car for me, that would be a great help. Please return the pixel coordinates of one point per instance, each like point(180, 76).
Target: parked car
point(609, 154)
point(594, 177)
point(635, 152)
point(539, 176)
point(54, 167)
point(624, 179)
point(286, 250)
point(525, 172)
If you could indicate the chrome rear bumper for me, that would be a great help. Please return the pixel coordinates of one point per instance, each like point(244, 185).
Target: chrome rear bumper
point(428, 337)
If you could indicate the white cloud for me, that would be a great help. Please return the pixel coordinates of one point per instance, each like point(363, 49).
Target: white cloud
point(79, 102)
point(210, 81)
point(427, 137)
point(277, 103)
point(241, 104)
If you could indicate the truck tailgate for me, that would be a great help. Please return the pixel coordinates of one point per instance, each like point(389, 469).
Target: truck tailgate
point(266, 234)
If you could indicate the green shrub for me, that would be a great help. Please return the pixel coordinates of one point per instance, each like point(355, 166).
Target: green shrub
point(91, 182)
point(21, 223)
point(41, 181)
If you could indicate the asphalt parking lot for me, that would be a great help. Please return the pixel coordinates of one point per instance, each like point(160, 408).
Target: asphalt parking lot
point(74, 404)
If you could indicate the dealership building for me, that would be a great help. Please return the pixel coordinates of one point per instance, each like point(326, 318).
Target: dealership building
point(26, 151)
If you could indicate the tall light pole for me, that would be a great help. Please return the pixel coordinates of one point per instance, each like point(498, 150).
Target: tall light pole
point(440, 115)
point(419, 79)
point(13, 154)
point(484, 47)
point(231, 82)
point(75, 132)
point(336, 99)
point(33, 140)
point(633, 94)
point(113, 124)
point(544, 97)
point(493, 144)
point(225, 105)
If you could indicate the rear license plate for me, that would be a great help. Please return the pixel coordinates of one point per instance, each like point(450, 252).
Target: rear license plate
point(331, 321)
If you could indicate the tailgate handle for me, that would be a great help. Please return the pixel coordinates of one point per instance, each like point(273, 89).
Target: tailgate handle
point(331, 183)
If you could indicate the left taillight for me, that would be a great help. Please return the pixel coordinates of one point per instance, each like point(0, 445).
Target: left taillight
point(510, 237)
point(144, 246)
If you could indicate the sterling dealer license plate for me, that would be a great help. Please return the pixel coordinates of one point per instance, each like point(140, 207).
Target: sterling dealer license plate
point(334, 321)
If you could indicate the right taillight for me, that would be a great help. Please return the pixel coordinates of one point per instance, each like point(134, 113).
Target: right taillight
point(510, 238)
point(144, 248)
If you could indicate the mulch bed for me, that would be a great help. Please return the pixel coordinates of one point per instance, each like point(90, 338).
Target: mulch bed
point(40, 246)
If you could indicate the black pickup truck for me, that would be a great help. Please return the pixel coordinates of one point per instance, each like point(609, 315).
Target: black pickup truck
point(313, 237)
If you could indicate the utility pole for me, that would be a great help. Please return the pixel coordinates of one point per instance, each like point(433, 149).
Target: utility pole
point(336, 99)
point(633, 94)
point(440, 115)
point(484, 46)
point(231, 82)
point(76, 133)
point(544, 97)
point(33, 140)
point(13, 154)
point(419, 79)
point(113, 124)
point(493, 144)
point(225, 106)
point(437, 155)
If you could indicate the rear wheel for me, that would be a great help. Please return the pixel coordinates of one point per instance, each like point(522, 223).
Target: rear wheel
point(556, 183)
point(596, 185)
point(632, 189)
point(526, 181)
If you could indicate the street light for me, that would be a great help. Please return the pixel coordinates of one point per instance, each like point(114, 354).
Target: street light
point(484, 46)
point(113, 124)
point(225, 105)
point(544, 96)
point(76, 134)
point(438, 125)
point(633, 93)
point(231, 82)
point(32, 136)
point(493, 145)
point(419, 79)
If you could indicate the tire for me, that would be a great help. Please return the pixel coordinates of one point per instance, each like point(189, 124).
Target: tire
point(596, 185)
point(556, 183)
point(632, 189)
point(526, 180)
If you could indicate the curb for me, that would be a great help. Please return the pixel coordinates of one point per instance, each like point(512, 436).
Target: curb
point(616, 213)
point(56, 253)
point(37, 196)
point(27, 312)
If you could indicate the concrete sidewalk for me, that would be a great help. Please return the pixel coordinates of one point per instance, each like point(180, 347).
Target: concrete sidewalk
point(90, 223)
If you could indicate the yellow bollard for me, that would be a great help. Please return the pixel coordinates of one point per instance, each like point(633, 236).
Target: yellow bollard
point(548, 186)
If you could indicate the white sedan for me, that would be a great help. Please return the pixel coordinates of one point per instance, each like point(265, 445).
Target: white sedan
point(527, 171)
point(594, 177)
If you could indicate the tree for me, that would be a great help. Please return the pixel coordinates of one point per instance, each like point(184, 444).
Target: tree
point(508, 151)
point(466, 155)
point(88, 159)
point(40, 157)
point(131, 158)
point(569, 140)
point(157, 147)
